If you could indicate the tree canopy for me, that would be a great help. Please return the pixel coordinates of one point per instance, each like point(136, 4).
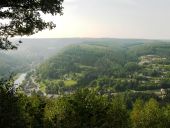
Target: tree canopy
point(24, 17)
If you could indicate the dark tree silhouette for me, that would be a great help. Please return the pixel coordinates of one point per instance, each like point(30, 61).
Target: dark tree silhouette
point(24, 17)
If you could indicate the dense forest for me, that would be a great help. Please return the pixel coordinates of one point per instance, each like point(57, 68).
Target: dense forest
point(112, 66)
point(9, 64)
point(102, 83)
point(86, 108)
point(84, 82)
point(30, 54)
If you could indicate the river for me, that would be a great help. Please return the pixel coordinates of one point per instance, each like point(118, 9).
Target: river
point(19, 81)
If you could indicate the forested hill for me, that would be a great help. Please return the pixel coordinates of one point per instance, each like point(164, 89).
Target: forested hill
point(30, 53)
point(115, 64)
point(85, 56)
point(9, 64)
point(97, 83)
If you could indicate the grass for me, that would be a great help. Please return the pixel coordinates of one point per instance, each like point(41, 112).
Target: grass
point(42, 87)
point(69, 83)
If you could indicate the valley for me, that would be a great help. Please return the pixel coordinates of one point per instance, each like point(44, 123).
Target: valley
point(111, 67)
point(89, 82)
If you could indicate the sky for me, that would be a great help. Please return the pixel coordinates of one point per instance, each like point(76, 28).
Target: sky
point(148, 19)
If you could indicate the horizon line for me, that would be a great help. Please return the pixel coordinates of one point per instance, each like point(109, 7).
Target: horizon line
point(125, 38)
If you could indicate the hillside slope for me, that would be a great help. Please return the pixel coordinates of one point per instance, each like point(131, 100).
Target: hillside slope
point(110, 65)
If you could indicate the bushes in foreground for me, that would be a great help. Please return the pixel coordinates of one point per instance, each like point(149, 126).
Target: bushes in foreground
point(83, 109)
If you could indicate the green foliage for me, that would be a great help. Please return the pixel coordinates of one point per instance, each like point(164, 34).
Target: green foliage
point(166, 115)
point(82, 58)
point(148, 115)
point(10, 65)
point(25, 18)
point(112, 78)
point(110, 65)
point(11, 109)
point(85, 109)
point(131, 67)
point(84, 63)
point(54, 87)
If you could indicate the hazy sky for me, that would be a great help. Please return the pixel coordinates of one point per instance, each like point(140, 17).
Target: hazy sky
point(112, 18)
